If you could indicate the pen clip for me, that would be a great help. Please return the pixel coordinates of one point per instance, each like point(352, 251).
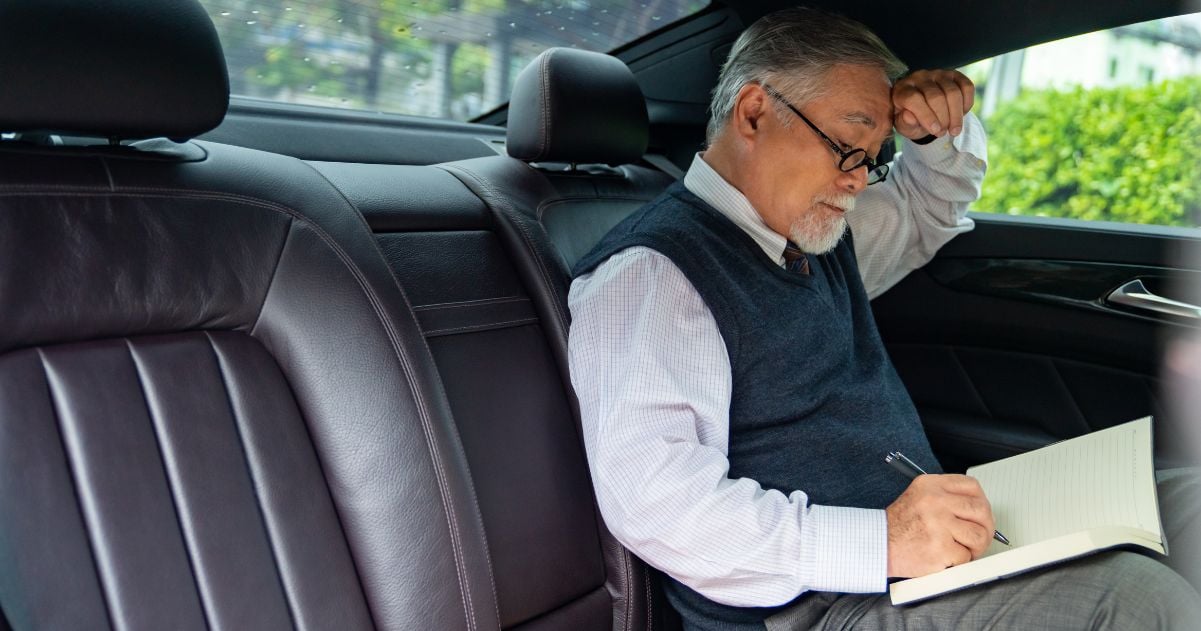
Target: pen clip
point(911, 464)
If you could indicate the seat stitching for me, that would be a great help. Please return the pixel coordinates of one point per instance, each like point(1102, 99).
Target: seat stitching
point(507, 211)
point(650, 607)
point(494, 195)
point(435, 455)
point(256, 488)
point(173, 490)
point(541, 268)
point(279, 258)
point(73, 472)
point(544, 72)
point(470, 303)
point(625, 564)
point(503, 205)
point(481, 327)
point(460, 562)
point(372, 298)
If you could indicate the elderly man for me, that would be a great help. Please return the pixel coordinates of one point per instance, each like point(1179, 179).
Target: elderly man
point(736, 397)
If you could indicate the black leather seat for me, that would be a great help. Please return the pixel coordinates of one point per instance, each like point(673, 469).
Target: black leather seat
point(216, 407)
point(489, 287)
point(577, 126)
point(484, 323)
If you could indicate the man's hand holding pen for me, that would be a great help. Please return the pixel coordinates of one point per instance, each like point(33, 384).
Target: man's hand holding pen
point(909, 469)
point(938, 522)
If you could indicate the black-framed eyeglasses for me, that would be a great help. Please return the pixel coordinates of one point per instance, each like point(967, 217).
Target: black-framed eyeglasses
point(877, 170)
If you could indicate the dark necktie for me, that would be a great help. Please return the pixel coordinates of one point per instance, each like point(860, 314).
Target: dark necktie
point(795, 260)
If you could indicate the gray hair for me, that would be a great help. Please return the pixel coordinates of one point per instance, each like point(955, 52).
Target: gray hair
point(793, 50)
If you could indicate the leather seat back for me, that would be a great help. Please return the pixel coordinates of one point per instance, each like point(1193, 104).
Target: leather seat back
point(216, 408)
point(573, 114)
point(482, 314)
point(468, 243)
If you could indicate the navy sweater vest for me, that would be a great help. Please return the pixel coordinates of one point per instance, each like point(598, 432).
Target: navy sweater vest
point(816, 402)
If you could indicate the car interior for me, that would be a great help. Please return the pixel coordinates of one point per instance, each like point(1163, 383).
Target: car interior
point(280, 366)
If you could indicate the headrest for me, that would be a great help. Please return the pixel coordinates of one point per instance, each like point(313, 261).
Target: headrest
point(577, 106)
point(128, 69)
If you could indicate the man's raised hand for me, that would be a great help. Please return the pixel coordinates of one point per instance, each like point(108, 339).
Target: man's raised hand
point(931, 102)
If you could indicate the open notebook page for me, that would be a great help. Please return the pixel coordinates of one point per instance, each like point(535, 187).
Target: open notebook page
point(1105, 478)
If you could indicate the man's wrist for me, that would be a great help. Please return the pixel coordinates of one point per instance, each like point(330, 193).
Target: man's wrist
point(844, 549)
point(924, 140)
point(947, 147)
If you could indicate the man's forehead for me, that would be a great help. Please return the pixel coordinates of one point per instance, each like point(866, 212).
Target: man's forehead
point(858, 103)
point(858, 84)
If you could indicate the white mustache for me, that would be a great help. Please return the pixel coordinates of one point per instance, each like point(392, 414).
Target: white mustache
point(845, 202)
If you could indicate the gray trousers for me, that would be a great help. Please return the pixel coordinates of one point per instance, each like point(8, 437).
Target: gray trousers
point(1110, 590)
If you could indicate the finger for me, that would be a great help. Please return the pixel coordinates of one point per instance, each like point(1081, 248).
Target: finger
point(968, 89)
point(955, 109)
point(909, 118)
point(924, 101)
point(924, 118)
point(972, 536)
point(973, 509)
point(970, 507)
point(962, 555)
point(936, 100)
point(951, 553)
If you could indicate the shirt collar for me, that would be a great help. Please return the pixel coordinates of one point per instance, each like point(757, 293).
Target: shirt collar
point(707, 184)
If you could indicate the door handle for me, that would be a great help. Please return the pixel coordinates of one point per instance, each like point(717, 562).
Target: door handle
point(1135, 294)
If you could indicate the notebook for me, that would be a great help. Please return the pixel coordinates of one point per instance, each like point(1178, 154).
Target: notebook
point(1066, 500)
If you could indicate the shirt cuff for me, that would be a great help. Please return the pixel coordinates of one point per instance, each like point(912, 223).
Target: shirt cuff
point(972, 140)
point(844, 550)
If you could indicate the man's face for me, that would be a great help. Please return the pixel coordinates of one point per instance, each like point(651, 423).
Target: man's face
point(798, 187)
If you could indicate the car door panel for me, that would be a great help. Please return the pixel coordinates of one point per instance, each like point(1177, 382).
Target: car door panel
point(1007, 343)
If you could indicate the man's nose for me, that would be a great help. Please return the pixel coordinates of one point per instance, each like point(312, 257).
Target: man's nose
point(853, 181)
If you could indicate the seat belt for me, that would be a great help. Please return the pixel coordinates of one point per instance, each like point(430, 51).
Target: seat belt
point(664, 165)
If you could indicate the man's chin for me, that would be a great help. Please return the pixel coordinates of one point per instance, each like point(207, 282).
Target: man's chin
point(820, 243)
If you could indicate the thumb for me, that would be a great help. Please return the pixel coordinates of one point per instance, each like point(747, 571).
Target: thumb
point(909, 118)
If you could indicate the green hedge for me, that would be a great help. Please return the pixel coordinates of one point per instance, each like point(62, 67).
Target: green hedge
point(1116, 154)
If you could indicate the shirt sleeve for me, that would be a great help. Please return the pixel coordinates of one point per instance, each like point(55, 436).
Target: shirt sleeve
point(653, 379)
point(899, 224)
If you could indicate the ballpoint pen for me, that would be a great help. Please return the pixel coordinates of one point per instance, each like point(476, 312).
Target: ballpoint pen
point(911, 470)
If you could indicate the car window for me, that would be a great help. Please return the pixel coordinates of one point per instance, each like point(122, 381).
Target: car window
point(451, 59)
point(1103, 126)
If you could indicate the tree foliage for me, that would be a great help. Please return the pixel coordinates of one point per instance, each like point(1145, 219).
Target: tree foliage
point(426, 57)
point(1127, 154)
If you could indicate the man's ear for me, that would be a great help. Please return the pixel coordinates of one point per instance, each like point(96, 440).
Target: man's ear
point(750, 107)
